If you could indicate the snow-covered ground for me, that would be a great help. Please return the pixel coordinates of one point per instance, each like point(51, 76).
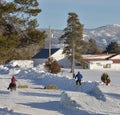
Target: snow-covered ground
point(93, 98)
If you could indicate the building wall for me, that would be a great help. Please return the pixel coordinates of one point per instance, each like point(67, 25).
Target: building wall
point(61, 58)
point(58, 55)
point(103, 65)
point(115, 67)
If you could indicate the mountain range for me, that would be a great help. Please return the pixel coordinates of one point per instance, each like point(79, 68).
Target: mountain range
point(103, 35)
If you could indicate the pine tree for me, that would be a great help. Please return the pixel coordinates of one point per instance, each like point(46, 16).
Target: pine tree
point(19, 17)
point(92, 47)
point(73, 36)
point(113, 47)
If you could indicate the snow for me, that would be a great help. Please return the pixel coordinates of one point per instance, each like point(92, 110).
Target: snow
point(118, 25)
point(93, 98)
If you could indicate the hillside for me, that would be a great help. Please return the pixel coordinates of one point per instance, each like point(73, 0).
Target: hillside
point(103, 35)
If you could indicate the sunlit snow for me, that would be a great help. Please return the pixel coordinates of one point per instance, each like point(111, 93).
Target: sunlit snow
point(93, 98)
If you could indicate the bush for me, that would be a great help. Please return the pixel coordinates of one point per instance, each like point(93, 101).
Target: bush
point(52, 65)
point(105, 78)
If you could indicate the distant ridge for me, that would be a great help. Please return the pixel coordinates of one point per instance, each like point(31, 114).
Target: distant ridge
point(103, 35)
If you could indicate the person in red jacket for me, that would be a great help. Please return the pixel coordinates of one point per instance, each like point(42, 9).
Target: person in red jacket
point(13, 80)
point(12, 84)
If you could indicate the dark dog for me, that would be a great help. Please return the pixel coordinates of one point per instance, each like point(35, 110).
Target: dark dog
point(12, 86)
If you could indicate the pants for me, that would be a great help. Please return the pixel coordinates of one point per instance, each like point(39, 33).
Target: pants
point(78, 81)
point(11, 85)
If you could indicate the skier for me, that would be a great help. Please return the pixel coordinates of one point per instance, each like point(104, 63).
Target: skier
point(12, 85)
point(13, 80)
point(79, 77)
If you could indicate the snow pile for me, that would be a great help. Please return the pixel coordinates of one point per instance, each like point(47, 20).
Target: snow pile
point(29, 73)
point(45, 79)
point(4, 69)
point(94, 102)
point(68, 100)
point(5, 111)
point(21, 63)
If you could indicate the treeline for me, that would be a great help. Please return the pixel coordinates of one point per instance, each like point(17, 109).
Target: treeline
point(18, 29)
point(92, 48)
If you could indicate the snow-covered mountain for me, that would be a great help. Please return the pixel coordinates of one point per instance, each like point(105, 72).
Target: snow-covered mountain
point(103, 35)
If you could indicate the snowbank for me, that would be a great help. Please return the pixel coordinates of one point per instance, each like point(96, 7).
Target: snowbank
point(21, 63)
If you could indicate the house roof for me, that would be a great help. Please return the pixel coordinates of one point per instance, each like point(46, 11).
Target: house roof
point(44, 53)
point(97, 56)
point(114, 57)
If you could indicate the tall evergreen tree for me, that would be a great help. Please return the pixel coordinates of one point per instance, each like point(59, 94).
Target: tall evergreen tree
point(113, 47)
point(73, 35)
point(92, 47)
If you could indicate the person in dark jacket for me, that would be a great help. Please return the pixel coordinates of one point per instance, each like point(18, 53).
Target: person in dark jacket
point(79, 77)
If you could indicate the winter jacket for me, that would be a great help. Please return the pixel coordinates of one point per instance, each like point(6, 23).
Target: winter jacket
point(79, 76)
point(13, 80)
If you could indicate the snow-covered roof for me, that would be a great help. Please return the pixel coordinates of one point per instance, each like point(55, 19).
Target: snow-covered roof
point(115, 58)
point(102, 61)
point(97, 56)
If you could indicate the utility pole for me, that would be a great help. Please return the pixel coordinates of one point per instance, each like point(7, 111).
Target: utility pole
point(50, 35)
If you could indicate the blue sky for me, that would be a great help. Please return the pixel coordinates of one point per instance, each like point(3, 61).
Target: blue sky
point(91, 13)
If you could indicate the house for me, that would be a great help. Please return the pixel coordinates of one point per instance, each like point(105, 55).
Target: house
point(103, 61)
point(94, 62)
point(42, 56)
point(56, 53)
